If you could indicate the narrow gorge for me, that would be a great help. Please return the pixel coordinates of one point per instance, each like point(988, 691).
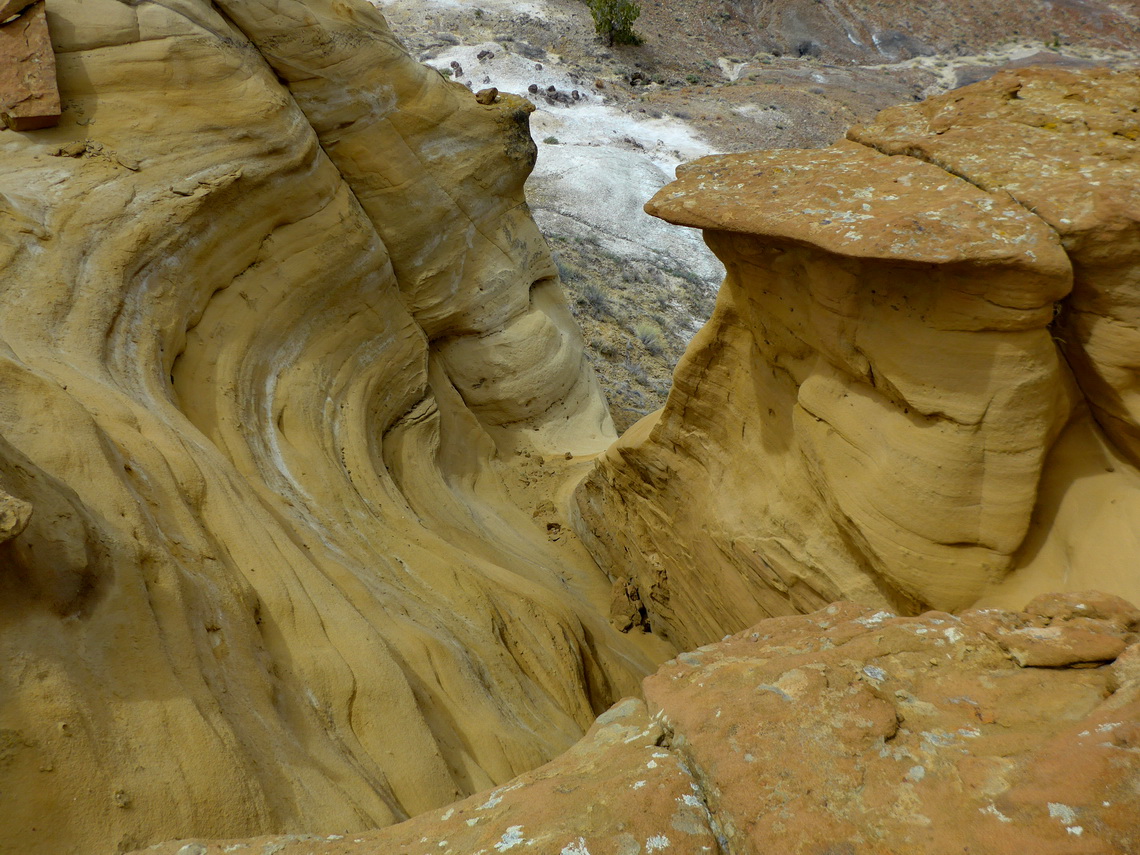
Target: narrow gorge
point(314, 518)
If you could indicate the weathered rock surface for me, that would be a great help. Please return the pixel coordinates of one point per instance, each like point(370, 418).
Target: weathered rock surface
point(849, 730)
point(1067, 147)
point(278, 339)
point(891, 30)
point(29, 97)
point(879, 409)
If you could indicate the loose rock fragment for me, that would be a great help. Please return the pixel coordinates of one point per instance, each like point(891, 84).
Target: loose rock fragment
point(29, 96)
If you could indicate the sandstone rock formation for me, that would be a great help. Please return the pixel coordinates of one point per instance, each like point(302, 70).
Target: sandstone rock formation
point(285, 363)
point(293, 405)
point(882, 406)
point(849, 730)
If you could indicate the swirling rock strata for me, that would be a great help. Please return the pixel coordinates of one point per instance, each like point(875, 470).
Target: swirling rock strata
point(881, 390)
point(277, 336)
point(848, 730)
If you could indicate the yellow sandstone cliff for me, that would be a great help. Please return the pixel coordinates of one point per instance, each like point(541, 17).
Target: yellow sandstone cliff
point(281, 350)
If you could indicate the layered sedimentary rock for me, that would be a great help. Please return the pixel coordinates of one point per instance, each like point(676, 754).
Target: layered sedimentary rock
point(277, 338)
point(884, 385)
point(849, 730)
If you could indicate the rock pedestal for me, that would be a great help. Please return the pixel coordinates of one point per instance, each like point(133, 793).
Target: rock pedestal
point(921, 375)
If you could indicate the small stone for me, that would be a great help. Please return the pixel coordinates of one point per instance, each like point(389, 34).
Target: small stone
point(75, 149)
point(487, 96)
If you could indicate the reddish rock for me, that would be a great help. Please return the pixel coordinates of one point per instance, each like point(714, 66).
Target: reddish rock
point(29, 97)
point(855, 731)
point(1061, 629)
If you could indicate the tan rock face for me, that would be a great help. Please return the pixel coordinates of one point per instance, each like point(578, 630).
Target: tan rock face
point(871, 410)
point(849, 730)
point(1067, 147)
point(261, 349)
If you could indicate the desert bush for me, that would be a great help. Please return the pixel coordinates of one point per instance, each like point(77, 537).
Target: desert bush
point(650, 337)
point(567, 272)
point(613, 20)
point(595, 298)
point(639, 374)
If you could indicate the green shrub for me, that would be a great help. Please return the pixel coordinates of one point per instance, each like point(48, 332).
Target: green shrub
point(595, 298)
point(614, 19)
point(650, 338)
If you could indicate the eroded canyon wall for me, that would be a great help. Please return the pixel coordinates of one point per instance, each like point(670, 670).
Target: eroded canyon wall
point(277, 333)
point(889, 403)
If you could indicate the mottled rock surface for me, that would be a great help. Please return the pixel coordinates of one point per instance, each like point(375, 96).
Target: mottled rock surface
point(849, 730)
point(882, 407)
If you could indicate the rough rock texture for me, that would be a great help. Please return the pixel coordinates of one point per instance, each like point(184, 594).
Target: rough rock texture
point(277, 339)
point(846, 731)
point(1067, 147)
point(29, 97)
point(880, 408)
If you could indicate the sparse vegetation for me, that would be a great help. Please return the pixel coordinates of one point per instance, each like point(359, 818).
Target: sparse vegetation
point(613, 20)
point(595, 298)
point(650, 337)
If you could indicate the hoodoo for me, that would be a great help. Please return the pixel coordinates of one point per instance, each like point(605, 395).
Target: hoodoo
point(280, 347)
point(917, 387)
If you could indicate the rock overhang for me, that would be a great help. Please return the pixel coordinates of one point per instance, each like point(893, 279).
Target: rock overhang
point(853, 201)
